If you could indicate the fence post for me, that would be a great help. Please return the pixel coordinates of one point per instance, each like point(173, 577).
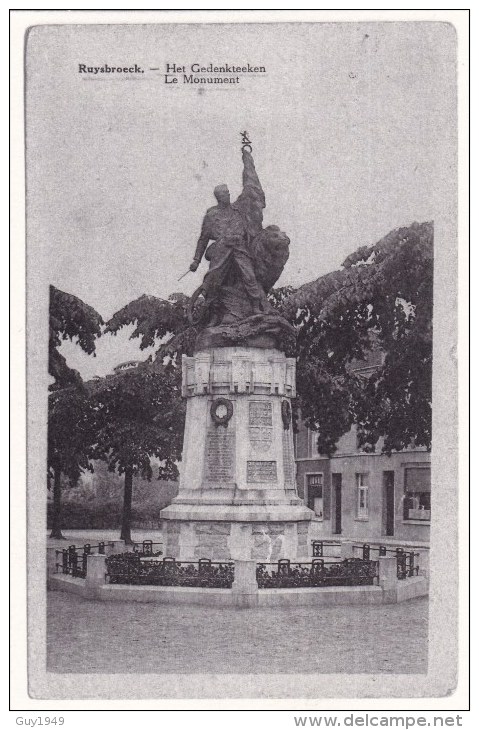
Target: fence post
point(114, 547)
point(388, 578)
point(346, 550)
point(95, 574)
point(52, 560)
point(245, 586)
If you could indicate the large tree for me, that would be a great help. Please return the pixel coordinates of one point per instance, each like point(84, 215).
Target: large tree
point(142, 410)
point(70, 426)
point(381, 298)
point(139, 416)
point(71, 430)
point(70, 319)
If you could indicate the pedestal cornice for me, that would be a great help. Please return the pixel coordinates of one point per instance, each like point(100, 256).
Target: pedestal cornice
point(225, 370)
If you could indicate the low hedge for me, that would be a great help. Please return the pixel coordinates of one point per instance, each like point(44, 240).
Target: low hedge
point(104, 516)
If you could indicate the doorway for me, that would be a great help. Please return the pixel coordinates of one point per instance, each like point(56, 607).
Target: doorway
point(337, 491)
point(388, 503)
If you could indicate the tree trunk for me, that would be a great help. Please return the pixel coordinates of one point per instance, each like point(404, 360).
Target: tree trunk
point(57, 506)
point(126, 516)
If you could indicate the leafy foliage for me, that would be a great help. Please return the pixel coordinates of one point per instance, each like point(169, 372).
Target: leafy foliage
point(157, 320)
point(278, 296)
point(70, 319)
point(70, 432)
point(380, 299)
point(140, 414)
point(107, 515)
point(165, 322)
point(70, 436)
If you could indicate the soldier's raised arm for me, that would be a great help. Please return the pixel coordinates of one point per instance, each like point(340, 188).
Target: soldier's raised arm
point(251, 184)
point(252, 200)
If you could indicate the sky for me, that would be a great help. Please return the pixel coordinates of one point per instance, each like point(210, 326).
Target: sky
point(351, 131)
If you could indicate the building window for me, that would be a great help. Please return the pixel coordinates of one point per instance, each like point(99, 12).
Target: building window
point(362, 490)
point(315, 494)
point(417, 493)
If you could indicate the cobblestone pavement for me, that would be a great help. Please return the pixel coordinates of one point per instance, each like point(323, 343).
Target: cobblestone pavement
point(89, 636)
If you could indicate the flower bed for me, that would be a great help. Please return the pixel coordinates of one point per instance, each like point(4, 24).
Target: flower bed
point(130, 569)
point(349, 572)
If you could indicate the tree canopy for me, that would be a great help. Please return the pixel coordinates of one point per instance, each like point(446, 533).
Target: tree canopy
point(71, 434)
point(70, 319)
point(381, 298)
point(139, 416)
point(71, 422)
point(157, 321)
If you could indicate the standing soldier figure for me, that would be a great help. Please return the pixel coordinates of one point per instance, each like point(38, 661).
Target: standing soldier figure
point(232, 228)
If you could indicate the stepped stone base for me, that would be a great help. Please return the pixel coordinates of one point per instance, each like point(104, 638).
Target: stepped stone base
point(225, 540)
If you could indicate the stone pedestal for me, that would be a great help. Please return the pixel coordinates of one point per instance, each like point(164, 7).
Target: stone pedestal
point(237, 496)
point(388, 573)
point(95, 574)
point(245, 587)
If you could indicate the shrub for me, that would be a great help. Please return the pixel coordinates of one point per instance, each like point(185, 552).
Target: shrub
point(86, 515)
point(105, 515)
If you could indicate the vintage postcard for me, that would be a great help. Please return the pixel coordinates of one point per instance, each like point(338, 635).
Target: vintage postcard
point(244, 237)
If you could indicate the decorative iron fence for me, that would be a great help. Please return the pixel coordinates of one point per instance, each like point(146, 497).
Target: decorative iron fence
point(88, 549)
point(145, 549)
point(73, 563)
point(407, 565)
point(141, 568)
point(130, 569)
point(382, 550)
point(320, 548)
point(74, 559)
point(348, 572)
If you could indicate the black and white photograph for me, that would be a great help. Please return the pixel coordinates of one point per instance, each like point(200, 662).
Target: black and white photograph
point(242, 245)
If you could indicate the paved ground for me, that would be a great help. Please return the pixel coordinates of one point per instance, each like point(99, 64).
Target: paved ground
point(88, 636)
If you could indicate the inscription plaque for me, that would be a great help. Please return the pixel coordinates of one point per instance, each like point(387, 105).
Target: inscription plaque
point(260, 413)
point(261, 438)
point(220, 456)
point(288, 459)
point(261, 471)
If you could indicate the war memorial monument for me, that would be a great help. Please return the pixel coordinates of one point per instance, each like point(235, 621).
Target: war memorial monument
point(237, 495)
